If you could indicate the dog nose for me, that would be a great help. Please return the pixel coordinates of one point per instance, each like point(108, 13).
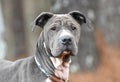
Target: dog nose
point(66, 41)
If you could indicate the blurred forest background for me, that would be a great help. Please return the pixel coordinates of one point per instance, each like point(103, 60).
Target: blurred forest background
point(98, 59)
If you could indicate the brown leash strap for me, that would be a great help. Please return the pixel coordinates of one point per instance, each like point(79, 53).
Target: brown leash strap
point(55, 79)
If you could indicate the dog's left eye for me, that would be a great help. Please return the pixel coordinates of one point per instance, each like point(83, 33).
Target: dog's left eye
point(53, 28)
point(73, 28)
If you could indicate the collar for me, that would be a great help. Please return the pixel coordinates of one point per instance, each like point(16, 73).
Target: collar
point(40, 67)
point(51, 77)
point(45, 48)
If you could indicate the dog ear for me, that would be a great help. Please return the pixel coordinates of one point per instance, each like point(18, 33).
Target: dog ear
point(78, 16)
point(42, 19)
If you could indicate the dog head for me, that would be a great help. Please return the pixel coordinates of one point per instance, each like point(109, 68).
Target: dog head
point(61, 31)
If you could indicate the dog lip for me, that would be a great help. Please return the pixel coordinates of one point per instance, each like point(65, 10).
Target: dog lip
point(65, 55)
point(66, 58)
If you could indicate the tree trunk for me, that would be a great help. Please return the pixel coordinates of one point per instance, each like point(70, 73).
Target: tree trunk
point(2, 32)
point(15, 33)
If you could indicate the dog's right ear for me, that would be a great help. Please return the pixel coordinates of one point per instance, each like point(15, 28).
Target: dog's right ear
point(42, 19)
point(78, 16)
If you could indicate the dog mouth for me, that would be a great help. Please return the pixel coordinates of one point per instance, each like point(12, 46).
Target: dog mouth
point(65, 58)
point(66, 55)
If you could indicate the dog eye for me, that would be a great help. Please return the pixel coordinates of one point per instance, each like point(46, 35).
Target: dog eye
point(53, 28)
point(73, 28)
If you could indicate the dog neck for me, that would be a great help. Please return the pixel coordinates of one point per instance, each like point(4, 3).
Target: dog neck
point(43, 61)
point(50, 74)
point(61, 66)
point(50, 78)
point(49, 65)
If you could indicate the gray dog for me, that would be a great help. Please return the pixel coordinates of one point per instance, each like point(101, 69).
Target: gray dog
point(56, 44)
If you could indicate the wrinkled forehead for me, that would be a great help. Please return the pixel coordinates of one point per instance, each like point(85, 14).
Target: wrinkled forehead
point(63, 19)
